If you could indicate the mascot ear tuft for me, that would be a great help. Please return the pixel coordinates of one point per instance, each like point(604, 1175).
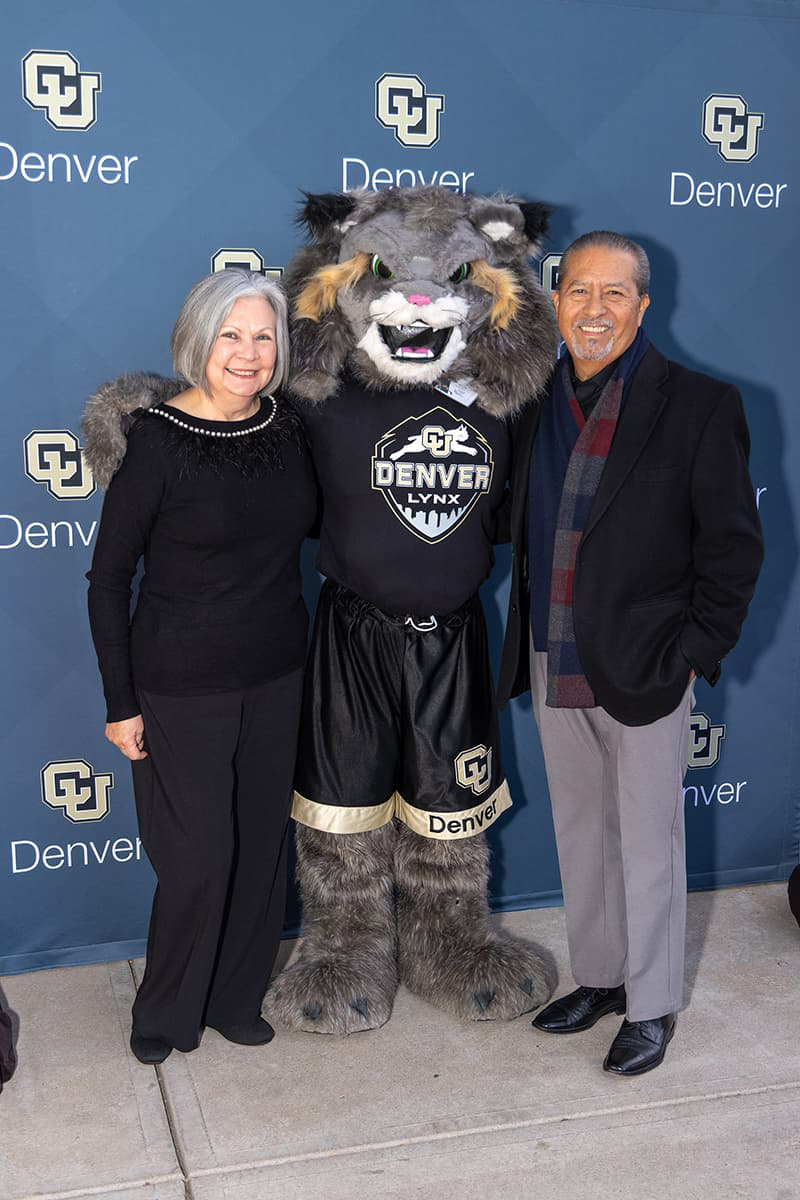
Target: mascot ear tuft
point(322, 211)
point(536, 218)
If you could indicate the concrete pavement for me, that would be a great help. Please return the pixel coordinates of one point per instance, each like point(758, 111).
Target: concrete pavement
point(425, 1107)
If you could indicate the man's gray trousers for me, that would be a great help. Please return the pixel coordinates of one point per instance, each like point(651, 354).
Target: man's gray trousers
point(617, 798)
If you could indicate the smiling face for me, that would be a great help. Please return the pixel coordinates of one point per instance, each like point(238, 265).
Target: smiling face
point(242, 359)
point(598, 307)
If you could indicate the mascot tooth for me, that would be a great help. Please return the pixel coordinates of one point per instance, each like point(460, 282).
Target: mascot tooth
point(418, 331)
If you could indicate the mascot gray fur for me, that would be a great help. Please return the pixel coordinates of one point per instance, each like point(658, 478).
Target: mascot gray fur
point(399, 290)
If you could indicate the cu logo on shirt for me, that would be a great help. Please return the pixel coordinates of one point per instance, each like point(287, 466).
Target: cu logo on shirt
point(437, 440)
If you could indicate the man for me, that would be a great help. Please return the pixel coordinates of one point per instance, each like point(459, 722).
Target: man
point(636, 551)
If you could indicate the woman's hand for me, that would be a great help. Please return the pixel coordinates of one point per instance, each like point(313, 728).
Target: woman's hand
point(128, 736)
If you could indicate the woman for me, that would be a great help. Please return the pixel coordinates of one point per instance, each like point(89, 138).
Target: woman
point(216, 493)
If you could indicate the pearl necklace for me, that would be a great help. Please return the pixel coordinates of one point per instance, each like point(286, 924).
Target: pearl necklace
point(159, 412)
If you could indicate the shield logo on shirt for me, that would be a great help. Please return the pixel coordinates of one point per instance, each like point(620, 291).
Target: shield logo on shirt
point(432, 471)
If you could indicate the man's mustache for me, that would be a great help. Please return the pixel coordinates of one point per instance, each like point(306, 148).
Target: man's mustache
point(603, 326)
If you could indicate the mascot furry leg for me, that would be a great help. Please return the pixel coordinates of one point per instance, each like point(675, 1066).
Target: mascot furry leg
point(419, 328)
point(389, 906)
point(449, 953)
point(346, 976)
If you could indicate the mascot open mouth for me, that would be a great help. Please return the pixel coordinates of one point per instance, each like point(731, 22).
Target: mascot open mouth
point(418, 342)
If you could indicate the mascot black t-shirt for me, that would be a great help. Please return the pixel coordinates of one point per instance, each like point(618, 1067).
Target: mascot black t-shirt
point(411, 483)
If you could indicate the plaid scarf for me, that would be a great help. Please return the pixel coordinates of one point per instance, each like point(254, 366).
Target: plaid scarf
point(567, 686)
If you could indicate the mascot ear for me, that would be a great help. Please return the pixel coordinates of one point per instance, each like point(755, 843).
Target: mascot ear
point(327, 209)
point(505, 220)
point(536, 218)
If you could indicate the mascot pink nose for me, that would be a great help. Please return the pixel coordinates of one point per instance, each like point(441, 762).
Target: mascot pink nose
point(419, 300)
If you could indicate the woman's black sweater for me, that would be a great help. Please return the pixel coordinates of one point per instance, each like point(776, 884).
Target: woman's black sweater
point(218, 511)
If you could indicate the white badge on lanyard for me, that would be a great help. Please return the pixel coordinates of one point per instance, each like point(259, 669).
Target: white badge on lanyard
point(459, 390)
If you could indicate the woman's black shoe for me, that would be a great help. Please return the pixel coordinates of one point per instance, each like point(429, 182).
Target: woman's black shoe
point(150, 1051)
point(252, 1033)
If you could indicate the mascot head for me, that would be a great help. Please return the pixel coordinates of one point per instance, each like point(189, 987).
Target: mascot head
point(408, 287)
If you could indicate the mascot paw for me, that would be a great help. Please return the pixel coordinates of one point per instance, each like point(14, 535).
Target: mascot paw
point(496, 980)
point(508, 977)
point(333, 995)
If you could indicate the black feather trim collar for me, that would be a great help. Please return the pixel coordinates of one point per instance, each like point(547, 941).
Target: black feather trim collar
point(252, 446)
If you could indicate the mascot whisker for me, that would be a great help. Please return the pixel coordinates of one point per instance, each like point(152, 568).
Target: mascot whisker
point(419, 331)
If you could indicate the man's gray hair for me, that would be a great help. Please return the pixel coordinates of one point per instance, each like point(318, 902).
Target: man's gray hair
point(613, 241)
point(203, 315)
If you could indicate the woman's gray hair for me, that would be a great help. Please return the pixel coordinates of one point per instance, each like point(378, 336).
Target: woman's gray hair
point(203, 315)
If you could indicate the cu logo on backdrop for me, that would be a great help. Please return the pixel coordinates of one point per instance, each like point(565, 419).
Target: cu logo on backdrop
point(705, 741)
point(403, 105)
point(73, 787)
point(474, 769)
point(731, 128)
point(52, 80)
point(54, 457)
point(549, 272)
point(246, 258)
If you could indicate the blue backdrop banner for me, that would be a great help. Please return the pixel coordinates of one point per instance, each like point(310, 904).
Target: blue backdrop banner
point(143, 145)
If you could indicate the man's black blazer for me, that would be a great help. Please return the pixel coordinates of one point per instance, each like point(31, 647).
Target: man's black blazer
point(671, 552)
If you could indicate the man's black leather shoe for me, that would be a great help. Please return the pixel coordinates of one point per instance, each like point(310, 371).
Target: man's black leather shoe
point(640, 1045)
point(254, 1033)
point(580, 1009)
point(150, 1051)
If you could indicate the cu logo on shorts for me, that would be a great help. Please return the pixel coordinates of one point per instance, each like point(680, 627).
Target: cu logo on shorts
point(474, 769)
point(53, 81)
point(54, 457)
point(731, 128)
point(73, 787)
point(403, 105)
point(705, 741)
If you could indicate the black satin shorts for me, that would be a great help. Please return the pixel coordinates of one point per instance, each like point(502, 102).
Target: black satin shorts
point(399, 721)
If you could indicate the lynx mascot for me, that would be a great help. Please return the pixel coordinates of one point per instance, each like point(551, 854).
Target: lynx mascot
point(418, 329)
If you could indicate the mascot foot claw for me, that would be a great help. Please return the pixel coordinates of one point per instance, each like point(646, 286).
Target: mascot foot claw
point(331, 996)
point(313, 1010)
point(513, 977)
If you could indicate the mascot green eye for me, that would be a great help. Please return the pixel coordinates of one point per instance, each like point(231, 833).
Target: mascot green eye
point(461, 273)
point(380, 269)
